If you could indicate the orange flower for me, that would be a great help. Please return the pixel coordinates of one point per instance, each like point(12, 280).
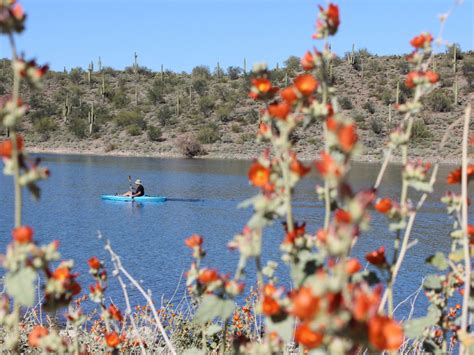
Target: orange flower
point(410, 80)
point(342, 216)
point(36, 334)
point(263, 85)
point(432, 77)
point(422, 41)
point(352, 266)
point(305, 84)
point(194, 241)
point(17, 12)
point(347, 137)
point(269, 290)
point(263, 128)
point(259, 175)
point(307, 62)
point(333, 20)
point(298, 231)
point(454, 176)
point(377, 257)
point(470, 230)
point(298, 168)
point(6, 147)
point(289, 94)
point(279, 109)
point(115, 313)
point(385, 333)
point(307, 337)
point(112, 339)
point(384, 205)
point(207, 276)
point(305, 304)
point(270, 307)
point(62, 273)
point(365, 304)
point(327, 166)
point(94, 263)
point(23, 234)
point(331, 124)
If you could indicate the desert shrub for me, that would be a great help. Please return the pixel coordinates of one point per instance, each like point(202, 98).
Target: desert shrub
point(208, 134)
point(45, 126)
point(129, 118)
point(373, 65)
point(450, 51)
point(236, 128)
point(468, 71)
point(223, 113)
point(201, 72)
point(359, 118)
point(200, 86)
point(345, 103)
point(403, 67)
point(78, 127)
point(154, 133)
point(292, 65)
point(376, 125)
point(206, 104)
point(420, 131)
point(155, 93)
point(134, 130)
point(234, 72)
point(164, 116)
point(387, 97)
point(247, 137)
point(189, 146)
point(439, 101)
point(369, 106)
point(119, 97)
point(76, 75)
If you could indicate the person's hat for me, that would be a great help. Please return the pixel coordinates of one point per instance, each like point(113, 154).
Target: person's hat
point(138, 182)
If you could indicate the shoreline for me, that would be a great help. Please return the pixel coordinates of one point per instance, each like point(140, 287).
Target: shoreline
point(212, 156)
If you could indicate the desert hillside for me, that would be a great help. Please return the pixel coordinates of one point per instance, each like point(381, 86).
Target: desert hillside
point(207, 112)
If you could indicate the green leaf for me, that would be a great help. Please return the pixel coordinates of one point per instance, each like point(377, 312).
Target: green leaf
point(283, 327)
point(21, 286)
point(213, 307)
point(457, 256)
point(415, 328)
point(432, 282)
point(421, 186)
point(438, 261)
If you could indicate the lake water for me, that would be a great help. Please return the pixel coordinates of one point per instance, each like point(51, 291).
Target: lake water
point(205, 193)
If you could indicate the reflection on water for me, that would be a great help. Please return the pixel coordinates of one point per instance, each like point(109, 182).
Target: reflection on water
point(203, 195)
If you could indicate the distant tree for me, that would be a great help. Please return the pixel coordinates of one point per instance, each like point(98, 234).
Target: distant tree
point(450, 51)
point(76, 75)
point(292, 65)
point(206, 104)
point(156, 92)
point(202, 72)
point(164, 116)
point(234, 72)
point(200, 86)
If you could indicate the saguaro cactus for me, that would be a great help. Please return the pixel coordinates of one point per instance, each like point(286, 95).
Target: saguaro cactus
point(190, 95)
point(135, 63)
point(89, 72)
point(161, 73)
point(218, 71)
point(455, 59)
point(455, 89)
point(102, 86)
point(245, 66)
point(389, 114)
point(397, 95)
point(351, 56)
point(91, 116)
point(100, 64)
point(178, 105)
point(66, 108)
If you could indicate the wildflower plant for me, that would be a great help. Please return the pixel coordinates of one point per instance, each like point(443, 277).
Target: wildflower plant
point(335, 305)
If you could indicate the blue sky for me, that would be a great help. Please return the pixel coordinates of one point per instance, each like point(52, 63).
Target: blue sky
point(181, 34)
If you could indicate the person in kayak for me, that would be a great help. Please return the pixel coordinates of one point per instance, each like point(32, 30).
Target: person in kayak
point(138, 191)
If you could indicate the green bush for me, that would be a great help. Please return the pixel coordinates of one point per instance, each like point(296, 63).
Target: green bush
point(134, 130)
point(206, 104)
point(154, 133)
point(200, 86)
point(208, 134)
point(420, 132)
point(45, 125)
point(155, 94)
point(439, 101)
point(78, 127)
point(129, 118)
point(468, 71)
point(292, 65)
point(224, 113)
point(189, 146)
point(236, 128)
point(346, 103)
point(119, 97)
point(164, 116)
point(369, 106)
point(201, 71)
point(376, 125)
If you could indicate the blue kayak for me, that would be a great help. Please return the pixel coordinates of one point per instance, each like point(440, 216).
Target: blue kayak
point(135, 199)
